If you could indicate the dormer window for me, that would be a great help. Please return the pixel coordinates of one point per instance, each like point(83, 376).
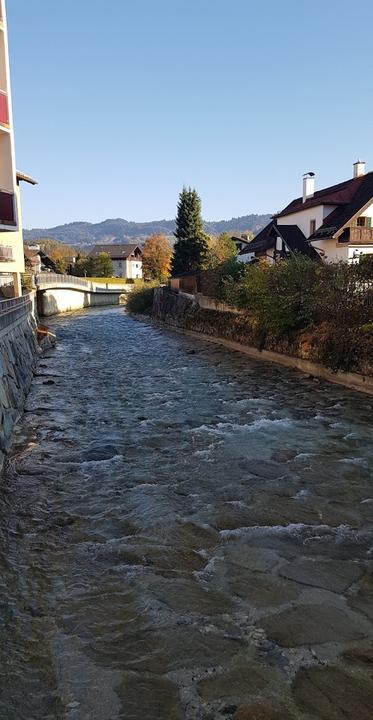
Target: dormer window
point(312, 226)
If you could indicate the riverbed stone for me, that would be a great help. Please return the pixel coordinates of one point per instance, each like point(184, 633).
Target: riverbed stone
point(363, 653)
point(260, 711)
point(188, 596)
point(256, 559)
point(333, 575)
point(172, 648)
point(238, 684)
point(362, 601)
point(193, 535)
point(265, 469)
point(314, 625)
point(147, 697)
point(96, 453)
point(263, 590)
point(330, 693)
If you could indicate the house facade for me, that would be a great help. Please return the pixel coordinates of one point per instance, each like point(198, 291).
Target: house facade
point(126, 259)
point(333, 224)
point(11, 239)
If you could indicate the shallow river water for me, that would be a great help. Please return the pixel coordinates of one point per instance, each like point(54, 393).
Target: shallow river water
point(186, 534)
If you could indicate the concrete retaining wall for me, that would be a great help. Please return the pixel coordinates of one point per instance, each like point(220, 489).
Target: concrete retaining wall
point(209, 303)
point(55, 301)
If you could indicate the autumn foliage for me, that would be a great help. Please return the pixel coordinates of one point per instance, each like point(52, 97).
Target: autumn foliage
point(156, 258)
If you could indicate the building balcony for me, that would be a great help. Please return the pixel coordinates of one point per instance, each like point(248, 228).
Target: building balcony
point(7, 210)
point(360, 236)
point(6, 253)
point(4, 111)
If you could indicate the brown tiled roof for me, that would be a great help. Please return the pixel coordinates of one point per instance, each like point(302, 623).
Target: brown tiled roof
point(292, 235)
point(335, 195)
point(349, 197)
point(116, 252)
point(335, 221)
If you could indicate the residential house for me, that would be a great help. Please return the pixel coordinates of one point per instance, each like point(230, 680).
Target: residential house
point(126, 259)
point(241, 242)
point(36, 260)
point(334, 224)
point(275, 242)
point(11, 239)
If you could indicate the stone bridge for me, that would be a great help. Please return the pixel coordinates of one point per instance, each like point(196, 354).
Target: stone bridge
point(63, 293)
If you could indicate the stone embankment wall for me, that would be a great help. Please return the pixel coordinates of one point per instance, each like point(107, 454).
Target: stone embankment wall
point(18, 356)
point(224, 325)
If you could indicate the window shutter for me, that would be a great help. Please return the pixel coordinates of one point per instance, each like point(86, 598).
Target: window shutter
point(368, 222)
point(354, 223)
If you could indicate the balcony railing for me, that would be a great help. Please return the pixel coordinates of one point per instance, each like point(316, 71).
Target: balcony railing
point(4, 112)
point(361, 236)
point(7, 215)
point(6, 253)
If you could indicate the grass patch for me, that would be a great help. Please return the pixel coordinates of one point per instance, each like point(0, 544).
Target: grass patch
point(108, 280)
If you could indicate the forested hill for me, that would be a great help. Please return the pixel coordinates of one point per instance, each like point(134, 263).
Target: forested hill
point(108, 231)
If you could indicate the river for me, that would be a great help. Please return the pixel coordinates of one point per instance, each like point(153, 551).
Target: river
point(186, 535)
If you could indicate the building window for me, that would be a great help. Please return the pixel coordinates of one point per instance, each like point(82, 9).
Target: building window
point(364, 222)
point(312, 226)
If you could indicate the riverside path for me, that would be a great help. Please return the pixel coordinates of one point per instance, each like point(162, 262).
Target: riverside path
point(185, 534)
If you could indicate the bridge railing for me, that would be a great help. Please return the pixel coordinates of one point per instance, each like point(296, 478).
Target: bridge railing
point(50, 280)
point(15, 308)
point(59, 279)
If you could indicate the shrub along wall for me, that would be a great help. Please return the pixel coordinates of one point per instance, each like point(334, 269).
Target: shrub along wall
point(317, 312)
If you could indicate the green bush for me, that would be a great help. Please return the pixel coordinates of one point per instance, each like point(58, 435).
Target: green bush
point(280, 297)
point(140, 299)
point(27, 281)
point(296, 295)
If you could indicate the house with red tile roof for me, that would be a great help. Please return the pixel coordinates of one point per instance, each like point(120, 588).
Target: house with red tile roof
point(334, 224)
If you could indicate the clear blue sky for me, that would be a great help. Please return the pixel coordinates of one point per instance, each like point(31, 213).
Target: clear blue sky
point(117, 104)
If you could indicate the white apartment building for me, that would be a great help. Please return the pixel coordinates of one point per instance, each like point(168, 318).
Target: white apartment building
point(11, 240)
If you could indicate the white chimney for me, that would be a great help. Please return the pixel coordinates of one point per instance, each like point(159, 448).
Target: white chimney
point(359, 168)
point(308, 186)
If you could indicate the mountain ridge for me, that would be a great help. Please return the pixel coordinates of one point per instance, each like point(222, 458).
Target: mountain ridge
point(81, 233)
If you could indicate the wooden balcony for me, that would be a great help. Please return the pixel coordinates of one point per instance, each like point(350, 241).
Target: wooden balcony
point(361, 236)
point(4, 112)
point(7, 214)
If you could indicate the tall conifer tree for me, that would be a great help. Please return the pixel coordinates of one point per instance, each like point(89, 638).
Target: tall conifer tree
point(191, 248)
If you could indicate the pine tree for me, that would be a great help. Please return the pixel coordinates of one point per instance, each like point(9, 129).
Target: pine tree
point(191, 248)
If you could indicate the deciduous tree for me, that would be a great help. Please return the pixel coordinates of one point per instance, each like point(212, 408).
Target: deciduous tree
point(102, 265)
point(156, 257)
point(220, 249)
